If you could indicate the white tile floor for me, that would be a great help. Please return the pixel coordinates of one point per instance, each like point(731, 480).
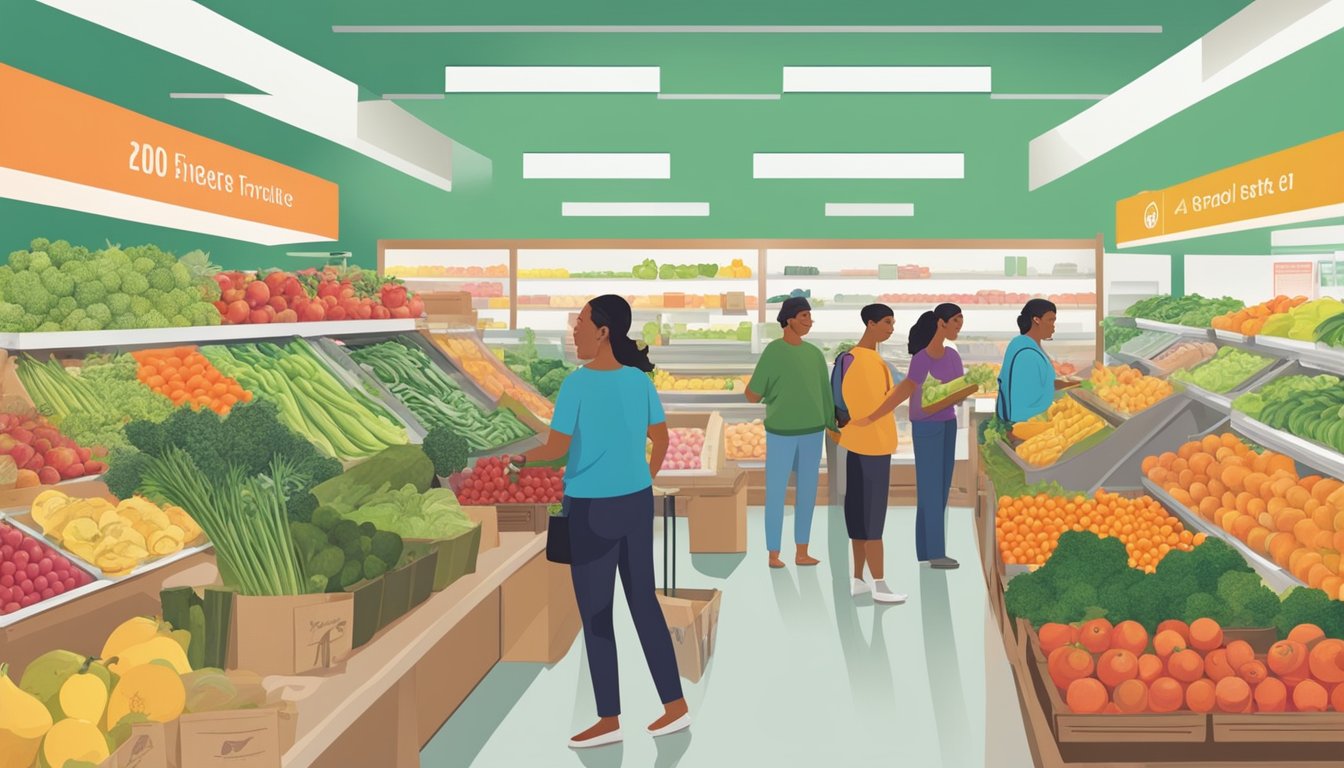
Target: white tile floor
point(803, 674)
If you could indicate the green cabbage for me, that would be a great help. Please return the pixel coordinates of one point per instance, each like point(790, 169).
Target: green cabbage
point(411, 514)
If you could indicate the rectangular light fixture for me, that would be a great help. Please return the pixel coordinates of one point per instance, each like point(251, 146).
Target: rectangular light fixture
point(858, 165)
point(597, 165)
point(1307, 236)
point(552, 79)
point(634, 209)
point(870, 209)
point(886, 79)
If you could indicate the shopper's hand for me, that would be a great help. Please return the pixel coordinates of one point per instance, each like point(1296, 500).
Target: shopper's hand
point(862, 421)
point(833, 434)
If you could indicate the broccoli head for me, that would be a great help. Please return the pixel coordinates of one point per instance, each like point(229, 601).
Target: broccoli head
point(154, 319)
point(50, 327)
point(161, 279)
point(1203, 605)
point(39, 262)
point(374, 567)
point(326, 517)
point(344, 532)
point(1030, 597)
point(99, 312)
point(125, 468)
point(203, 314)
point(1084, 558)
point(142, 265)
point(327, 562)
point(1304, 605)
point(58, 283)
point(11, 316)
point(1075, 601)
point(549, 384)
point(60, 252)
point(111, 280)
point(351, 573)
point(119, 303)
point(1252, 603)
point(18, 260)
point(147, 437)
point(135, 284)
point(1211, 560)
point(115, 258)
point(90, 292)
point(181, 275)
point(447, 450)
point(66, 304)
point(1116, 597)
point(386, 546)
point(72, 320)
point(308, 540)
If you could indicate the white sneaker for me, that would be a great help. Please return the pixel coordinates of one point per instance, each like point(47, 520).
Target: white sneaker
point(883, 594)
point(676, 726)
point(611, 737)
point(859, 587)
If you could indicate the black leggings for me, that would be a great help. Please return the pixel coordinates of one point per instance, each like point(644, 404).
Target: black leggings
point(606, 536)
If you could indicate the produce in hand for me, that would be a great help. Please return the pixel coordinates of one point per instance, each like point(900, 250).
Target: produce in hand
point(1184, 355)
point(31, 571)
point(745, 440)
point(1297, 522)
point(1068, 423)
point(115, 539)
point(934, 390)
point(345, 423)
point(437, 400)
point(1228, 369)
point(684, 446)
point(488, 482)
point(185, 376)
point(1029, 528)
point(1250, 320)
point(490, 374)
point(59, 287)
point(985, 376)
point(1126, 389)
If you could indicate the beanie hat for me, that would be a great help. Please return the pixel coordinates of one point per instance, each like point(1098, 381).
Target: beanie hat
point(792, 308)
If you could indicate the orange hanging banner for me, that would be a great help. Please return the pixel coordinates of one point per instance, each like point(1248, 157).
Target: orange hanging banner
point(91, 155)
point(1303, 183)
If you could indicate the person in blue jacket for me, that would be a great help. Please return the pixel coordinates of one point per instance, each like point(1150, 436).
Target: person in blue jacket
point(1027, 382)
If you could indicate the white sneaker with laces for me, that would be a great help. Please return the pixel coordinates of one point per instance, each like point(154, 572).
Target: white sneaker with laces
point(859, 587)
point(883, 594)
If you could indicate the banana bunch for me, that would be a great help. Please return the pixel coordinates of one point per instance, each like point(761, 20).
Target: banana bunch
point(115, 539)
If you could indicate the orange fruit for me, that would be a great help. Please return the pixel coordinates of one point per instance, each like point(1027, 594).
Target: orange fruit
point(1086, 696)
point(1232, 694)
point(1165, 695)
point(1201, 696)
point(1131, 696)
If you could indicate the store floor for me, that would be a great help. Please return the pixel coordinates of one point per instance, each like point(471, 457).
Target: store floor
point(803, 674)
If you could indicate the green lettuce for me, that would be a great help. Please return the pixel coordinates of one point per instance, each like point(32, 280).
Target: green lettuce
point(411, 514)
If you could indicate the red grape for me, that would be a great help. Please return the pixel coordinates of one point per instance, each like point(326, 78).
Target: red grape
point(44, 565)
point(32, 570)
point(11, 607)
point(47, 593)
point(40, 583)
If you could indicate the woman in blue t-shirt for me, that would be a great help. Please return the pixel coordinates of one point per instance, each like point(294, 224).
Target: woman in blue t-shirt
point(1027, 382)
point(603, 414)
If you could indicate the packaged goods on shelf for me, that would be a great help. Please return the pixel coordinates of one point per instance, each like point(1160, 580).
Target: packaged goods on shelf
point(801, 271)
point(483, 290)
point(437, 400)
point(543, 274)
point(436, 270)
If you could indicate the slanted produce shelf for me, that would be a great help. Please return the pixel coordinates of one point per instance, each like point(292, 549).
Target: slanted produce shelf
point(379, 683)
point(1273, 575)
point(203, 334)
point(1312, 454)
point(23, 520)
point(1222, 402)
point(1309, 353)
point(1186, 331)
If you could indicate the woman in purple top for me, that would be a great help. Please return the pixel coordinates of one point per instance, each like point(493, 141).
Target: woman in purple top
point(935, 433)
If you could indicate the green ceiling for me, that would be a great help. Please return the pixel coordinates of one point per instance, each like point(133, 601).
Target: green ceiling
point(711, 142)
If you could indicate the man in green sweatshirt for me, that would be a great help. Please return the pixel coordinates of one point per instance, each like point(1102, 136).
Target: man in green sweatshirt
point(791, 379)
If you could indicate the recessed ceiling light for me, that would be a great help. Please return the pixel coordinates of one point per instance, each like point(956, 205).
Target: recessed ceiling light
point(551, 79)
point(634, 209)
point(859, 165)
point(870, 209)
point(597, 165)
point(886, 79)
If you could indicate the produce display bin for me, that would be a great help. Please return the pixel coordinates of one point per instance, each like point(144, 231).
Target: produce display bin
point(711, 455)
point(1223, 400)
point(396, 594)
point(455, 557)
point(527, 518)
point(423, 568)
point(97, 583)
point(368, 610)
point(501, 381)
point(1179, 330)
point(24, 522)
point(355, 376)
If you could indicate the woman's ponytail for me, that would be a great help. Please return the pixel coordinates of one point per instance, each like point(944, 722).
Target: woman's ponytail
point(921, 333)
point(613, 313)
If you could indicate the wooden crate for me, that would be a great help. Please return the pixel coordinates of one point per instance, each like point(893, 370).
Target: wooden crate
point(522, 518)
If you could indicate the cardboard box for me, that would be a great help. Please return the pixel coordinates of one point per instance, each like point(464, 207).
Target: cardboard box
point(291, 635)
point(446, 303)
point(692, 617)
point(149, 746)
point(524, 518)
point(717, 514)
point(674, 299)
point(734, 302)
point(489, 525)
point(539, 618)
point(248, 738)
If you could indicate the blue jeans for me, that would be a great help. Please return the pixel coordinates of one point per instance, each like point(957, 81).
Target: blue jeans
point(798, 455)
point(935, 457)
point(610, 536)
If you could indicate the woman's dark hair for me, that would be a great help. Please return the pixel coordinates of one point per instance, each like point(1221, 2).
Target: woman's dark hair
point(875, 313)
point(613, 313)
point(921, 333)
point(1032, 310)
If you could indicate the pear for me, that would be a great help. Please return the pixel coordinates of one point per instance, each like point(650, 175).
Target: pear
point(84, 695)
point(133, 631)
point(72, 739)
point(23, 722)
